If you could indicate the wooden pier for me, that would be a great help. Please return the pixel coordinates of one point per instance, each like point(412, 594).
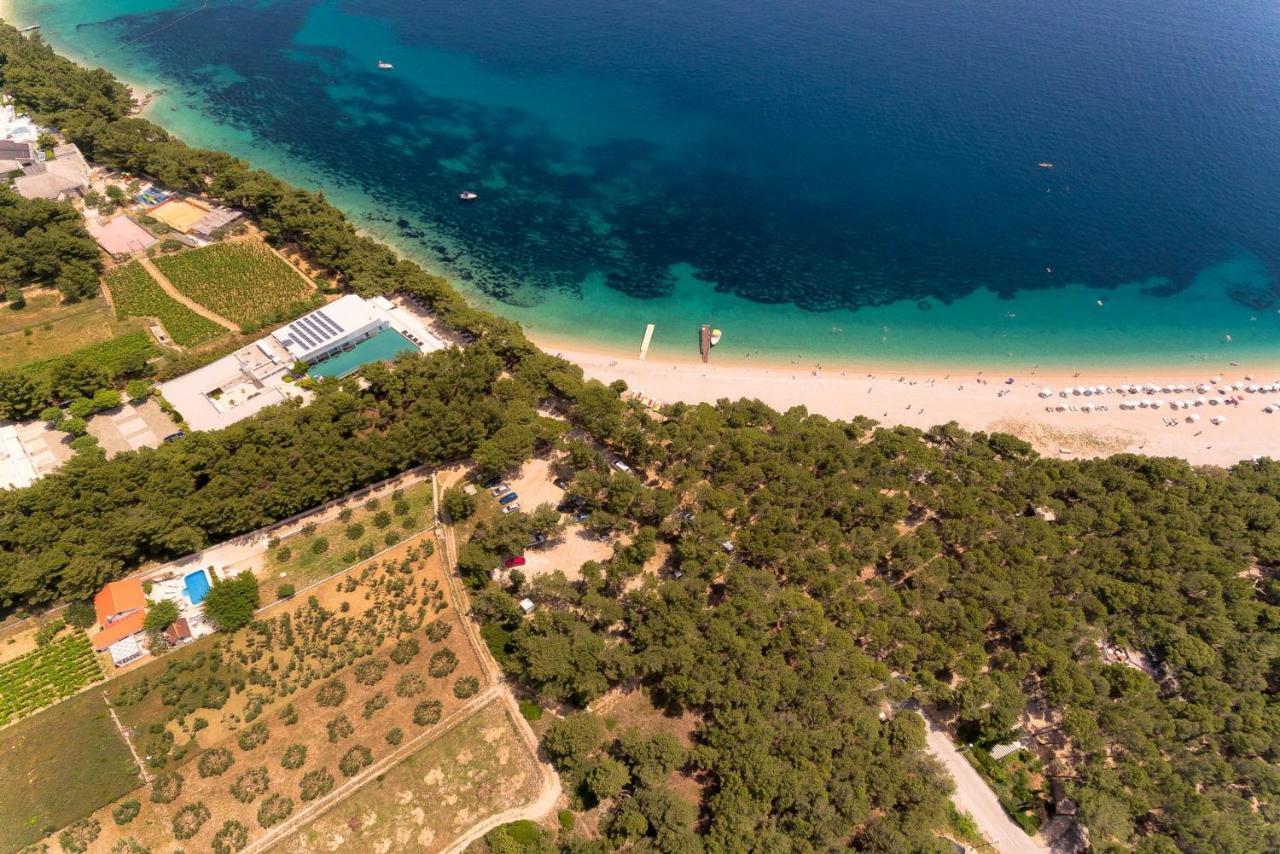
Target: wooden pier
point(704, 342)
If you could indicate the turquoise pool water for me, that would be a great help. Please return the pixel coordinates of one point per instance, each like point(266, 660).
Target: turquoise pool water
point(384, 346)
point(197, 586)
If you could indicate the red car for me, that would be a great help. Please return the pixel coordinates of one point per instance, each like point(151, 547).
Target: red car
point(518, 560)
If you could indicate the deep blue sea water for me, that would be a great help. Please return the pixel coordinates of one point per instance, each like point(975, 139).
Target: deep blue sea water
point(821, 178)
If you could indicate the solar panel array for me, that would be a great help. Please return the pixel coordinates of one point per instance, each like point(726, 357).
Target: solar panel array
point(314, 330)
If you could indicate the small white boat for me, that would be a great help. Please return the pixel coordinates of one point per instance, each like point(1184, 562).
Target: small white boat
point(1045, 164)
point(384, 65)
point(467, 196)
point(715, 337)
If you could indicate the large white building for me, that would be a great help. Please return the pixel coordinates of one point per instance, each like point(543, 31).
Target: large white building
point(253, 378)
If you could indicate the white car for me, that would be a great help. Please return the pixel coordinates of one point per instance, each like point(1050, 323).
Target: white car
point(512, 507)
point(622, 467)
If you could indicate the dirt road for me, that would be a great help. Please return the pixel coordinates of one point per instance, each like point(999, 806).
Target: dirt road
point(974, 796)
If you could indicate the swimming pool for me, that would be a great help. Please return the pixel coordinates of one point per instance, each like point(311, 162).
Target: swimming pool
point(384, 346)
point(197, 586)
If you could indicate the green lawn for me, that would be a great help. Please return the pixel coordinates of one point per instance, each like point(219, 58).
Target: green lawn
point(58, 766)
point(245, 282)
point(136, 294)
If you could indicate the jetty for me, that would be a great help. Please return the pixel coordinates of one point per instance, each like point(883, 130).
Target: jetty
point(644, 345)
point(704, 342)
point(29, 28)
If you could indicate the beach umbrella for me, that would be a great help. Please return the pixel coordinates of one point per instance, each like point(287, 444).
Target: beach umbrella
point(1219, 419)
point(1193, 417)
point(1202, 388)
point(1060, 408)
point(1252, 389)
point(1088, 407)
point(1156, 404)
point(1086, 391)
point(1133, 389)
point(1213, 401)
point(1216, 379)
point(1268, 409)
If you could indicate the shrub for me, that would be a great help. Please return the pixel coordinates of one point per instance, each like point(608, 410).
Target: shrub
point(49, 631)
point(381, 519)
point(339, 728)
point(231, 837)
point(370, 671)
point(565, 817)
point(374, 704)
point(456, 504)
point(319, 546)
point(391, 538)
point(315, 783)
point(345, 516)
point(466, 687)
point(214, 762)
point(126, 811)
point(289, 715)
point(355, 531)
point(166, 787)
point(404, 650)
point(138, 389)
point(106, 399)
point(188, 820)
point(250, 784)
point(401, 507)
point(284, 554)
point(81, 615)
point(128, 845)
point(332, 694)
point(442, 663)
point(274, 810)
point(438, 630)
point(394, 736)
point(284, 591)
point(355, 760)
point(253, 736)
point(295, 755)
point(530, 711)
point(410, 685)
point(80, 835)
point(427, 712)
point(81, 407)
point(160, 616)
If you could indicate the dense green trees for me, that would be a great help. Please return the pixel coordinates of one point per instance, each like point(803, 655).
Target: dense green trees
point(45, 243)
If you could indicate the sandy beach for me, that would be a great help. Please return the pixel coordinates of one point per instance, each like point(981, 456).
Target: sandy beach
point(980, 400)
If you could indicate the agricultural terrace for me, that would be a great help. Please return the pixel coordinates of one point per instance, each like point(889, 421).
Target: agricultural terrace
point(244, 731)
point(58, 766)
point(478, 768)
point(243, 281)
point(47, 328)
point(48, 673)
point(136, 294)
point(318, 551)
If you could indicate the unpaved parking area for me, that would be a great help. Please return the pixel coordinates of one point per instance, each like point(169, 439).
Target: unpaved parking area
point(131, 427)
point(574, 548)
point(535, 485)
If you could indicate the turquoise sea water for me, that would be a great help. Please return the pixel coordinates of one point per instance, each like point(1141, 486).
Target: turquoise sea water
point(824, 180)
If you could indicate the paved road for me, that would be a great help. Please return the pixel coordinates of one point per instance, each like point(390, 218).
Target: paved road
point(974, 796)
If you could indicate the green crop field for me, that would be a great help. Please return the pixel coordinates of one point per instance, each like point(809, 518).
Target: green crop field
point(48, 673)
point(59, 765)
point(244, 282)
point(136, 294)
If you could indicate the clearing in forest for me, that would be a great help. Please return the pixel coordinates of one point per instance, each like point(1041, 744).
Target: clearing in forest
point(479, 768)
point(244, 281)
point(136, 294)
point(243, 731)
point(48, 328)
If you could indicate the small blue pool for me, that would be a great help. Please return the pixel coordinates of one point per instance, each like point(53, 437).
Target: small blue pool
point(197, 586)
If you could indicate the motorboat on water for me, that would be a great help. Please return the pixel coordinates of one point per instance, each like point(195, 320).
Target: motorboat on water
point(384, 65)
point(467, 196)
point(1045, 164)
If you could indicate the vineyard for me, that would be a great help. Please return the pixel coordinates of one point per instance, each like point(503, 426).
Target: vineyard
point(56, 670)
point(244, 282)
point(136, 294)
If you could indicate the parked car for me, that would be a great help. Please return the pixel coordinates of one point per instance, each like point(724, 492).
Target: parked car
point(622, 467)
point(508, 498)
point(538, 539)
point(173, 437)
point(581, 516)
point(562, 483)
point(511, 508)
point(492, 482)
point(518, 560)
point(500, 488)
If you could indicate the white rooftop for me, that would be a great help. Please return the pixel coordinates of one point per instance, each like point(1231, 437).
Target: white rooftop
point(16, 468)
point(319, 330)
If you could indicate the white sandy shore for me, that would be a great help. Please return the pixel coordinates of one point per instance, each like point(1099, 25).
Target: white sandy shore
point(980, 401)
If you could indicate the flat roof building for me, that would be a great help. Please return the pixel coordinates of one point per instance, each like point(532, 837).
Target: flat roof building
point(327, 330)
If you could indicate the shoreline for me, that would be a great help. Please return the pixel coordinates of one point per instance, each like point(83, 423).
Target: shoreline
point(980, 400)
